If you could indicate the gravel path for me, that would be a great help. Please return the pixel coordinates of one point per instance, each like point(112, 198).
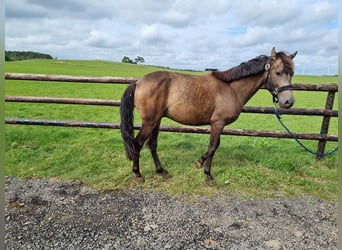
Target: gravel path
point(50, 214)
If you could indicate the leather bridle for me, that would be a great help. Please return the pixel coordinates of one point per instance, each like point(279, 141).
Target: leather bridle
point(270, 86)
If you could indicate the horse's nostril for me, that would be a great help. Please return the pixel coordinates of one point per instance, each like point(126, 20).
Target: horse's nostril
point(288, 104)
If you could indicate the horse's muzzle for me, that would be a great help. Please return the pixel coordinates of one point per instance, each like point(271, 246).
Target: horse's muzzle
point(288, 103)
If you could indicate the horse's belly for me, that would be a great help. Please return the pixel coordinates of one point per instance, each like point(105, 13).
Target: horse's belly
point(189, 115)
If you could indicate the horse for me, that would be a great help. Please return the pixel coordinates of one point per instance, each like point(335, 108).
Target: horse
point(214, 99)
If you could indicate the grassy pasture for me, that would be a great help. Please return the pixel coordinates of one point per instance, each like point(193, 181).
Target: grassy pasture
point(247, 166)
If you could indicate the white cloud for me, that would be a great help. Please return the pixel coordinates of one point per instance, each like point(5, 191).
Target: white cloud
point(100, 39)
point(181, 34)
point(150, 33)
point(269, 13)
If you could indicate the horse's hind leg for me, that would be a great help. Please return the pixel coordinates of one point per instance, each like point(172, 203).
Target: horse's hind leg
point(140, 139)
point(152, 144)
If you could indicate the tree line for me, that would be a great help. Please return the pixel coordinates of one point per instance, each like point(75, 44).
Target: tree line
point(137, 60)
point(25, 55)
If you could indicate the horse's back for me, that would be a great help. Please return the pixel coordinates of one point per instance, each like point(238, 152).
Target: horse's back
point(184, 98)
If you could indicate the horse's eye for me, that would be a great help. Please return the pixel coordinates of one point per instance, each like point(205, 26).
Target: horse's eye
point(278, 73)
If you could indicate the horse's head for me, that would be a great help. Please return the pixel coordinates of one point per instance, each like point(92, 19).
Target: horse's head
point(280, 70)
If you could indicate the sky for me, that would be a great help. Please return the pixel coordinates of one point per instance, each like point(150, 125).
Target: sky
point(187, 34)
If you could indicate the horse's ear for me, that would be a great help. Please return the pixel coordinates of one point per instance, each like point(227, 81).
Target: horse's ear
point(273, 54)
point(293, 55)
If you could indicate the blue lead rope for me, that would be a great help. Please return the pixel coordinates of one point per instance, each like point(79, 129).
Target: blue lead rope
point(276, 112)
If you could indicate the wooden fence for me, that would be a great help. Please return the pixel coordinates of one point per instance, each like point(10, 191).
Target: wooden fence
point(321, 137)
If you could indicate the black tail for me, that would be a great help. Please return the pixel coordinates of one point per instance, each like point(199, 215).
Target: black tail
point(126, 126)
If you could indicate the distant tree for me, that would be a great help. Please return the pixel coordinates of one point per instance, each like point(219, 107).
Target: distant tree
point(126, 59)
point(139, 60)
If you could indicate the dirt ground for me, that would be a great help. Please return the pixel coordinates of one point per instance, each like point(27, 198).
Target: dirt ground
point(51, 214)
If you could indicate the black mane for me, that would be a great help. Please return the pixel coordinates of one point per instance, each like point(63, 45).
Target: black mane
point(251, 67)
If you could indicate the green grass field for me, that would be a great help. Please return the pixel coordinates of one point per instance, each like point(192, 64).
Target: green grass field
point(247, 166)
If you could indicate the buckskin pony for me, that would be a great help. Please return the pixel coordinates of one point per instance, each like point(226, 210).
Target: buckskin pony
point(214, 99)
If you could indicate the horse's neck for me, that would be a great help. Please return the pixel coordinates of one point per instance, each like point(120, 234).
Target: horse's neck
point(247, 87)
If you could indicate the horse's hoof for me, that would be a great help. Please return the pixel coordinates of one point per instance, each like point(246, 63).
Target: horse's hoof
point(198, 164)
point(139, 179)
point(165, 174)
point(210, 181)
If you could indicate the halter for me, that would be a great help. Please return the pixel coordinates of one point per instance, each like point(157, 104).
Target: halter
point(270, 86)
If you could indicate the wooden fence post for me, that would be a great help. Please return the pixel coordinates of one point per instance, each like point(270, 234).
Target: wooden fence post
point(325, 125)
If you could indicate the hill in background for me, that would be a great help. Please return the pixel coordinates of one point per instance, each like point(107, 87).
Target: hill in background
point(25, 55)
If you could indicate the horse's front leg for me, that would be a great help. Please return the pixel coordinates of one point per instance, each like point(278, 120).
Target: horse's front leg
point(208, 156)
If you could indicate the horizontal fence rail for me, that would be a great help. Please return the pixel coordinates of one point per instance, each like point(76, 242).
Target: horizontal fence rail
point(64, 78)
point(102, 102)
point(124, 80)
point(321, 137)
point(179, 129)
point(58, 100)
